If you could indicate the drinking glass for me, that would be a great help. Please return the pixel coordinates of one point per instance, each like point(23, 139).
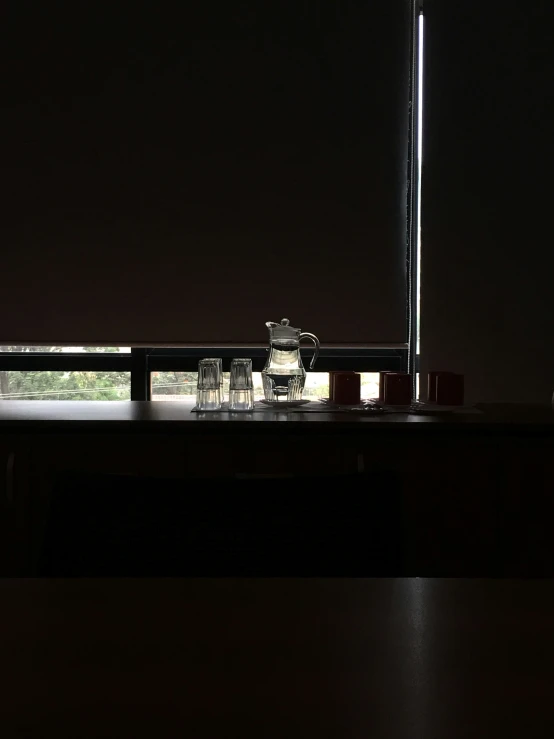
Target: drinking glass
point(220, 366)
point(241, 386)
point(208, 388)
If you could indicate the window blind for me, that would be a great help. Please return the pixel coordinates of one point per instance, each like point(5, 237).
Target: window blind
point(179, 177)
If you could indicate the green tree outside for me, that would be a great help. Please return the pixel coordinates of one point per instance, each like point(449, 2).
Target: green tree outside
point(174, 383)
point(46, 385)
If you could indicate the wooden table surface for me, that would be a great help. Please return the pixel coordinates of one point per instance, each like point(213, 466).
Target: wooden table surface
point(28, 416)
point(277, 658)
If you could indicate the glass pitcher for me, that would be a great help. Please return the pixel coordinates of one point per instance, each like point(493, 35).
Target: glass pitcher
point(284, 376)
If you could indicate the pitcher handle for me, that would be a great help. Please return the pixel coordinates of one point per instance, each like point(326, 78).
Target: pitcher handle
point(316, 344)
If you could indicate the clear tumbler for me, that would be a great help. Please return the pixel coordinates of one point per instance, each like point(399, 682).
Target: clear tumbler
point(241, 386)
point(220, 366)
point(208, 389)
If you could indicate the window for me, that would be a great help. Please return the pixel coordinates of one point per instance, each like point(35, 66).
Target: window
point(182, 385)
point(67, 349)
point(44, 385)
point(115, 373)
point(65, 373)
point(163, 374)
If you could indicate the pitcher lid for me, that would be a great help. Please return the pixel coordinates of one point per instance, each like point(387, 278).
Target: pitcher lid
point(282, 330)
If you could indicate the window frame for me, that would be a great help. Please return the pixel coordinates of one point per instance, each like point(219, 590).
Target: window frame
point(141, 362)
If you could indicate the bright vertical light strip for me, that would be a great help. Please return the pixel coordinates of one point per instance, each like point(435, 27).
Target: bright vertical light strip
point(419, 166)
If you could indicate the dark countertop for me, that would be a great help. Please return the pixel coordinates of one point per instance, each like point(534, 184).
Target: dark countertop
point(176, 416)
point(394, 659)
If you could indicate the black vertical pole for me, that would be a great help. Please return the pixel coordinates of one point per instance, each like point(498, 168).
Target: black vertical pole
point(413, 197)
point(140, 375)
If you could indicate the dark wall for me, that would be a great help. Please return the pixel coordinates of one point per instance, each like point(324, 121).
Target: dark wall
point(487, 255)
